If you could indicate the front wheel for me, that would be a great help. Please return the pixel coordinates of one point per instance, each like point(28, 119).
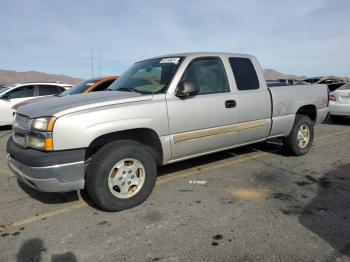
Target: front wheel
point(300, 139)
point(121, 175)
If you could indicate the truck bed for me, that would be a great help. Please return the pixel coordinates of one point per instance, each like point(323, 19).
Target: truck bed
point(286, 100)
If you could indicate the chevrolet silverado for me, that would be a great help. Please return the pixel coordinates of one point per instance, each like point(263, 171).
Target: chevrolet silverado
point(160, 111)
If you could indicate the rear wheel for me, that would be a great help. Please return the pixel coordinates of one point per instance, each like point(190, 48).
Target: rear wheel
point(121, 175)
point(300, 139)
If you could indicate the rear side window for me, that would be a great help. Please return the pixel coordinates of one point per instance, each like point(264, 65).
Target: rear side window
point(48, 90)
point(244, 73)
point(208, 74)
point(21, 92)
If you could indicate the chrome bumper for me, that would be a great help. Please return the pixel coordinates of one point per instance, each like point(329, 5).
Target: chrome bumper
point(57, 178)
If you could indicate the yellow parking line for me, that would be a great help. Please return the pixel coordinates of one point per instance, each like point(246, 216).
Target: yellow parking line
point(160, 180)
point(43, 216)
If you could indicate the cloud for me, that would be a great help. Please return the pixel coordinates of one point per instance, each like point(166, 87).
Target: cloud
point(307, 38)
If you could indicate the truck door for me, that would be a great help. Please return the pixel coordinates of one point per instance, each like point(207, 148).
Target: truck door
point(253, 101)
point(207, 121)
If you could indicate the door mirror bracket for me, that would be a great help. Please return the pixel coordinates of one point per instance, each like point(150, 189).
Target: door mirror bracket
point(186, 89)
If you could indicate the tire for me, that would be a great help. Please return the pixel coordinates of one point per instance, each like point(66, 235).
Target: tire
point(300, 147)
point(335, 118)
point(99, 182)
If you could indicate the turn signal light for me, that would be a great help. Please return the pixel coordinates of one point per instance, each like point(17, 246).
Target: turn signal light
point(48, 144)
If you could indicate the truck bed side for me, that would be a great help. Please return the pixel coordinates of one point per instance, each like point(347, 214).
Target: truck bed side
point(288, 100)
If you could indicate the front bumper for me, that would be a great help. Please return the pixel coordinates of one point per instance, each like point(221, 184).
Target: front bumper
point(46, 173)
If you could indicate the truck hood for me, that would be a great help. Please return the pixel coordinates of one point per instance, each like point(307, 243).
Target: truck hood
point(58, 106)
point(26, 102)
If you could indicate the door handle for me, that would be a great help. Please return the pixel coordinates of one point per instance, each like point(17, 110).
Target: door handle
point(230, 103)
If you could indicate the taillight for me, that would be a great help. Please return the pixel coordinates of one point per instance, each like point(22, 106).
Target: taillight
point(332, 98)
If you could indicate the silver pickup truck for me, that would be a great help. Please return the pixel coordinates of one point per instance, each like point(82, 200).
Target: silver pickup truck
point(160, 111)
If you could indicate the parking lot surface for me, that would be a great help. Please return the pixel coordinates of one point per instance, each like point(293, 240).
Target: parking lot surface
point(248, 204)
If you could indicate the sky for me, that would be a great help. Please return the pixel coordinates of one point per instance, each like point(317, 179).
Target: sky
point(310, 38)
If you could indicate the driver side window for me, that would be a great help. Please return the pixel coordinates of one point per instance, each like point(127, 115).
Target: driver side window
point(208, 74)
point(21, 92)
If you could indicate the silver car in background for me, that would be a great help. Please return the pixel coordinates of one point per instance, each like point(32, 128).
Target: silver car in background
point(339, 102)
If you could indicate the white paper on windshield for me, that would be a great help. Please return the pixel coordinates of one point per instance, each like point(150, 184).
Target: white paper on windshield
point(170, 60)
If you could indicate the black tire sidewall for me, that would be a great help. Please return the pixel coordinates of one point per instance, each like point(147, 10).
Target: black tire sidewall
point(103, 162)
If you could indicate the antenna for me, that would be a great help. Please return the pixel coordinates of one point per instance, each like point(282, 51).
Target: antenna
point(92, 63)
point(99, 60)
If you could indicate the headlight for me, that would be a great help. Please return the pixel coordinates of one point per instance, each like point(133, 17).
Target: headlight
point(43, 124)
point(40, 143)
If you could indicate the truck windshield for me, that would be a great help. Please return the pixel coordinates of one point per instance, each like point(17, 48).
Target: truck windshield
point(147, 77)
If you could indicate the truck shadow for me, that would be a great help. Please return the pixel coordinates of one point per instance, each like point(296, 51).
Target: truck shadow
point(210, 159)
point(49, 198)
point(328, 214)
point(57, 198)
point(60, 198)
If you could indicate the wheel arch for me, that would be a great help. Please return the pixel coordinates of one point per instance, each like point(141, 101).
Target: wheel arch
point(145, 136)
point(308, 110)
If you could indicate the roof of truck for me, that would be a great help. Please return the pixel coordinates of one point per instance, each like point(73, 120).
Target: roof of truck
point(196, 54)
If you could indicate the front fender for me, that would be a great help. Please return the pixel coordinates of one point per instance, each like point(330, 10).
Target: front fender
point(78, 130)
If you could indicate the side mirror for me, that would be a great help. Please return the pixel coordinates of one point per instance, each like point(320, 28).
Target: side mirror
point(186, 89)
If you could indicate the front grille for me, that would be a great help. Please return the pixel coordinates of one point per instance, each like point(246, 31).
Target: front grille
point(20, 128)
point(19, 139)
point(22, 121)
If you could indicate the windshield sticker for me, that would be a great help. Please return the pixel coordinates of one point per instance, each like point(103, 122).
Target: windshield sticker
point(170, 60)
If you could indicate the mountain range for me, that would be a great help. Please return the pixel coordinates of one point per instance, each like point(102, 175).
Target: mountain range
point(12, 77)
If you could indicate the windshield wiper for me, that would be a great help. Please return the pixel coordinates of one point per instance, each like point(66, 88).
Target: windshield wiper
point(128, 89)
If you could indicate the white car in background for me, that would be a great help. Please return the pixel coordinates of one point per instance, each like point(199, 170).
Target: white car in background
point(3, 88)
point(22, 92)
point(339, 102)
